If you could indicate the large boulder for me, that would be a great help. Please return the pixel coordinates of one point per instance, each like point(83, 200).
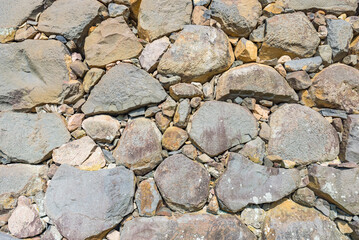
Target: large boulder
point(84, 204)
point(336, 86)
point(289, 34)
point(199, 53)
point(350, 143)
point(246, 182)
point(254, 80)
point(187, 226)
point(218, 126)
point(336, 186)
point(288, 220)
point(332, 6)
point(30, 138)
point(237, 18)
point(183, 183)
point(155, 22)
point(32, 73)
point(110, 95)
point(111, 41)
point(301, 134)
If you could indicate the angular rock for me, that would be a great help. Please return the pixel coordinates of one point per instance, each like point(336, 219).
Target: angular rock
point(336, 86)
point(254, 150)
point(350, 148)
point(191, 181)
point(291, 221)
point(325, 52)
point(168, 107)
point(4, 236)
point(253, 216)
point(51, 234)
point(109, 95)
point(155, 22)
point(254, 80)
point(218, 126)
point(301, 134)
point(92, 77)
point(306, 64)
point(304, 196)
point(184, 90)
point(237, 18)
point(327, 112)
point(108, 195)
point(289, 34)
point(147, 198)
point(182, 113)
point(182, 59)
point(79, 68)
point(60, 19)
point(24, 33)
point(173, 138)
point(187, 226)
point(162, 121)
point(151, 54)
point(116, 10)
point(201, 16)
point(102, 128)
point(74, 122)
point(245, 182)
point(30, 138)
point(340, 34)
point(140, 146)
point(111, 41)
point(34, 73)
point(332, 6)
point(299, 80)
point(246, 51)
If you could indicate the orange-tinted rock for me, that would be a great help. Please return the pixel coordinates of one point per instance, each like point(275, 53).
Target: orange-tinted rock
point(173, 138)
point(147, 198)
point(246, 51)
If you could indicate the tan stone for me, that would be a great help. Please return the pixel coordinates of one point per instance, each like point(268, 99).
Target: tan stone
point(95, 162)
point(75, 121)
point(200, 16)
point(147, 198)
point(246, 51)
point(103, 128)
point(162, 121)
point(273, 9)
point(26, 32)
point(92, 77)
point(173, 138)
point(7, 35)
point(184, 90)
point(344, 227)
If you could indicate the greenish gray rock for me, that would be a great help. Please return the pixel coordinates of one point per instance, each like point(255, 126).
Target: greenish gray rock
point(182, 113)
point(351, 139)
point(332, 6)
point(340, 34)
point(325, 52)
point(306, 64)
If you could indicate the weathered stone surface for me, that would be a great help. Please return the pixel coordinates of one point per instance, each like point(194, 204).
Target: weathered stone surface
point(350, 141)
point(191, 181)
point(291, 221)
point(30, 138)
point(246, 51)
point(34, 72)
point(75, 121)
point(155, 22)
point(327, 5)
point(139, 147)
point(218, 126)
point(289, 34)
point(254, 150)
point(60, 19)
point(19, 179)
point(182, 113)
point(336, 86)
point(299, 80)
point(304, 196)
point(111, 41)
point(340, 34)
point(182, 59)
point(255, 80)
point(4, 236)
point(102, 128)
point(253, 216)
point(184, 90)
point(151, 54)
point(116, 10)
point(245, 182)
point(237, 18)
point(301, 134)
point(109, 95)
point(51, 233)
point(188, 226)
point(335, 185)
point(147, 198)
point(92, 77)
point(306, 64)
point(173, 138)
point(83, 204)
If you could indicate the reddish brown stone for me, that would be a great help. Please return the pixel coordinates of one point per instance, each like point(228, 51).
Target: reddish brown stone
point(173, 138)
point(147, 198)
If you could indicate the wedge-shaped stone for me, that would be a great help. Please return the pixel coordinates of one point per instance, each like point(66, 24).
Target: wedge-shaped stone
point(350, 142)
point(332, 6)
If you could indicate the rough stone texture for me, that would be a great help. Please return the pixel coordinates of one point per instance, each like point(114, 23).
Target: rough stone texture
point(306, 64)
point(155, 22)
point(246, 51)
point(111, 41)
point(33, 72)
point(183, 183)
point(182, 59)
point(253, 216)
point(289, 34)
point(254, 150)
point(184, 90)
point(182, 113)
point(333, 6)
point(188, 226)
point(60, 19)
point(139, 147)
point(19, 179)
point(218, 126)
point(335, 185)
point(254, 80)
point(245, 182)
point(291, 221)
point(109, 95)
point(92, 77)
point(147, 198)
point(237, 17)
point(74, 122)
point(83, 204)
point(301, 134)
point(350, 148)
point(336, 86)
point(173, 138)
point(304, 196)
point(151, 54)
point(30, 138)
point(340, 34)
point(4, 236)
point(102, 128)
point(299, 80)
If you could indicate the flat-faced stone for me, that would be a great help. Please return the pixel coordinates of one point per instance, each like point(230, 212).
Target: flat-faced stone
point(173, 138)
point(199, 53)
point(111, 41)
point(301, 134)
point(5, 236)
point(182, 113)
point(30, 138)
point(332, 6)
point(147, 198)
point(184, 90)
point(92, 77)
point(109, 95)
point(340, 34)
point(350, 148)
point(103, 128)
point(299, 80)
point(140, 146)
point(336, 86)
point(246, 51)
point(253, 215)
point(218, 126)
point(289, 34)
point(155, 22)
point(188, 226)
point(254, 150)
point(288, 220)
point(151, 54)
point(254, 80)
point(183, 183)
point(245, 182)
point(84, 204)
point(74, 122)
point(306, 64)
